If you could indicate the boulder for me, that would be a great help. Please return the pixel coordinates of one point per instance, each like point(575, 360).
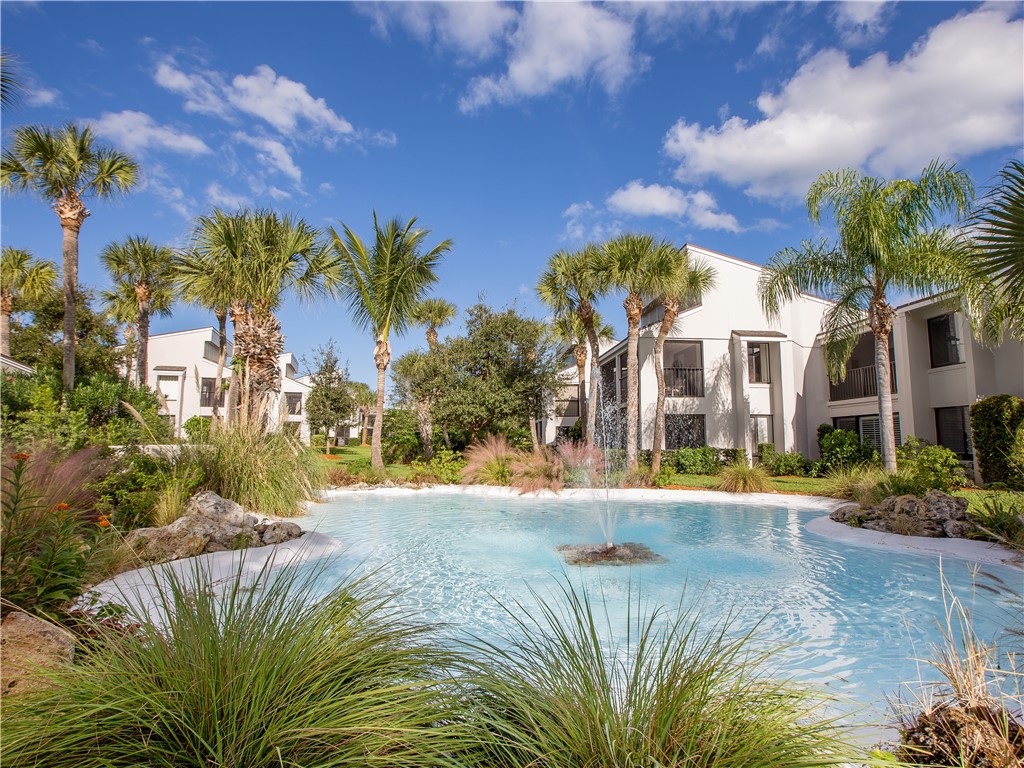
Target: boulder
point(210, 524)
point(29, 646)
point(936, 515)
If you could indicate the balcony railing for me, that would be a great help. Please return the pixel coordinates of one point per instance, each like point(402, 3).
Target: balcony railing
point(684, 382)
point(860, 382)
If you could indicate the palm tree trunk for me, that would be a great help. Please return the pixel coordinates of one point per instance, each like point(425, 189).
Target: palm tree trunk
point(586, 315)
point(222, 359)
point(69, 249)
point(366, 423)
point(581, 379)
point(534, 437)
point(671, 310)
point(6, 310)
point(382, 357)
point(426, 427)
point(142, 352)
point(887, 433)
point(634, 308)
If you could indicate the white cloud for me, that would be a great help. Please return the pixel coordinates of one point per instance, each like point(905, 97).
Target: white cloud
point(163, 184)
point(584, 224)
point(638, 199)
point(958, 92)
point(203, 92)
point(283, 102)
point(325, 188)
point(39, 96)
point(278, 194)
point(93, 47)
point(273, 153)
point(222, 198)
point(137, 131)
point(556, 43)
point(475, 30)
point(861, 21)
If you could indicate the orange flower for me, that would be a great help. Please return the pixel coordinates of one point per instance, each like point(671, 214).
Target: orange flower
point(103, 522)
point(62, 507)
point(20, 457)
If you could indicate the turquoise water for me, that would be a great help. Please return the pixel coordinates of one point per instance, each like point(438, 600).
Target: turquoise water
point(855, 618)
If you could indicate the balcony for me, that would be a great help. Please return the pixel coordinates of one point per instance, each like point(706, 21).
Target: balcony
point(684, 382)
point(860, 382)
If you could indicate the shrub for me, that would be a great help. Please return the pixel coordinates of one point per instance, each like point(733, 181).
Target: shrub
point(445, 467)
point(489, 462)
point(765, 454)
point(997, 432)
point(318, 442)
point(1000, 520)
point(535, 472)
point(858, 482)
point(264, 672)
point(742, 478)
point(899, 484)
point(584, 465)
point(790, 463)
point(556, 693)
point(732, 456)
point(697, 461)
point(823, 429)
point(400, 439)
point(930, 466)
point(269, 472)
point(129, 492)
point(197, 429)
point(575, 432)
point(841, 448)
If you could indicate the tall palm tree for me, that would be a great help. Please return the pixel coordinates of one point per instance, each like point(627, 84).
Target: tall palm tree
point(639, 265)
point(208, 275)
point(21, 276)
point(686, 285)
point(433, 314)
point(144, 271)
point(568, 329)
point(1000, 249)
point(382, 284)
point(890, 239)
point(572, 282)
point(64, 167)
point(10, 85)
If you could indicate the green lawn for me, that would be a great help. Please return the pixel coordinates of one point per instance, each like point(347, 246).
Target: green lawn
point(343, 456)
point(804, 485)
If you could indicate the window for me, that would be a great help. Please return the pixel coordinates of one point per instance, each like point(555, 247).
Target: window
point(608, 382)
point(684, 369)
point(757, 364)
point(623, 378)
point(568, 403)
point(684, 430)
point(867, 428)
point(943, 341)
point(206, 390)
point(293, 403)
point(761, 430)
point(168, 387)
point(952, 430)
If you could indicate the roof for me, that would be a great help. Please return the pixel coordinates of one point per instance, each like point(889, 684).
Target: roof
point(10, 364)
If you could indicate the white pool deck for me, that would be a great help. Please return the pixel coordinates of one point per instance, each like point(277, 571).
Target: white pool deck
point(140, 589)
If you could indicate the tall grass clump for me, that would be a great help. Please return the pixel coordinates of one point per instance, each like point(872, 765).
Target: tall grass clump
point(270, 472)
point(489, 461)
point(858, 482)
point(584, 465)
point(541, 471)
point(739, 477)
point(262, 674)
point(1000, 519)
point(557, 693)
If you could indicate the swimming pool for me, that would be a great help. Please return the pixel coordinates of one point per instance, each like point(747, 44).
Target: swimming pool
point(855, 618)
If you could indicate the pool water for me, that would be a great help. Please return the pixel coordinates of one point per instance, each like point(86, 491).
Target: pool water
point(854, 619)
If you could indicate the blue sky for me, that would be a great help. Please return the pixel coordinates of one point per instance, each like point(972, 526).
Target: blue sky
point(513, 129)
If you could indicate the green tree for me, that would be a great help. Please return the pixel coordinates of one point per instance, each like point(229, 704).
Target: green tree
point(382, 284)
point(569, 330)
point(572, 282)
point(684, 287)
point(64, 167)
point(1000, 250)
point(889, 239)
point(21, 276)
point(330, 403)
point(364, 399)
point(10, 86)
point(143, 275)
point(641, 266)
point(433, 314)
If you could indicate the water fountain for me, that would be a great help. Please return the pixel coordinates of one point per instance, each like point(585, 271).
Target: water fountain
point(601, 464)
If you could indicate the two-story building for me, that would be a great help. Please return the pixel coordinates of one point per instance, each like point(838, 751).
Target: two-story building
point(183, 368)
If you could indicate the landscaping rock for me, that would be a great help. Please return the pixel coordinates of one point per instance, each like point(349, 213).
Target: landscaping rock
point(936, 515)
point(210, 524)
point(29, 646)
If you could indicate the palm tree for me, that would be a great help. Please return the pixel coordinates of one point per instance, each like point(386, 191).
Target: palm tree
point(383, 284)
point(1000, 249)
point(568, 329)
point(21, 276)
point(641, 266)
point(143, 271)
point(207, 275)
point(685, 286)
point(64, 167)
point(433, 314)
point(572, 282)
point(889, 239)
point(10, 86)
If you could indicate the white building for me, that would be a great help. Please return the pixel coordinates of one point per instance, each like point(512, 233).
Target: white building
point(183, 368)
point(734, 379)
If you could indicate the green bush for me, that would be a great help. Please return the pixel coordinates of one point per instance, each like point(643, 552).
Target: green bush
point(445, 467)
point(696, 461)
point(765, 454)
point(841, 448)
point(790, 463)
point(400, 440)
point(930, 466)
point(575, 432)
point(1000, 520)
point(353, 441)
point(997, 432)
point(858, 482)
point(129, 492)
point(258, 672)
point(728, 456)
point(742, 478)
point(900, 484)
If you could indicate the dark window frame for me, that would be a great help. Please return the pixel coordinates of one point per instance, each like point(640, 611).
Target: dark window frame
point(689, 384)
point(206, 386)
point(960, 442)
point(568, 407)
point(945, 347)
point(763, 369)
point(290, 403)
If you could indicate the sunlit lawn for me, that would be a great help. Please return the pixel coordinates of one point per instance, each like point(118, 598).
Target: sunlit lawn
point(811, 485)
point(344, 455)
